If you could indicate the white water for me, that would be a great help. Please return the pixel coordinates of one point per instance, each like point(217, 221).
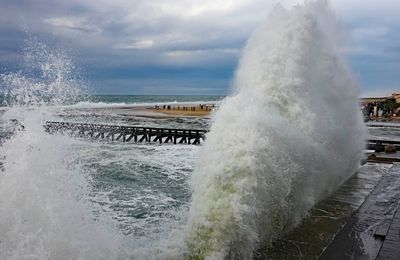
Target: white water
point(44, 208)
point(290, 134)
point(54, 205)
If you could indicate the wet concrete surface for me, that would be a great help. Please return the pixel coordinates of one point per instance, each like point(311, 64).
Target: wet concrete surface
point(364, 234)
point(391, 245)
point(358, 208)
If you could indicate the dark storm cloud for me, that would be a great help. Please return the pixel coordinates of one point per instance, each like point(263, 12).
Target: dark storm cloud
point(137, 46)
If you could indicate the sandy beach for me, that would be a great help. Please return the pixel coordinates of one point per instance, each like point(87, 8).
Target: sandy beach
point(176, 110)
point(184, 110)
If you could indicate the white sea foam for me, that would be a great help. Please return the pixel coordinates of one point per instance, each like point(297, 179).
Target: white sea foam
point(287, 137)
point(44, 207)
point(48, 206)
point(88, 104)
point(291, 133)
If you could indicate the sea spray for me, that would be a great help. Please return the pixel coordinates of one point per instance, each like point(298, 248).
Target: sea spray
point(48, 77)
point(291, 133)
point(45, 212)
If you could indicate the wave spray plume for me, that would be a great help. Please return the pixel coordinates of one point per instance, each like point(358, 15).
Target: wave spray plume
point(291, 133)
point(45, 207)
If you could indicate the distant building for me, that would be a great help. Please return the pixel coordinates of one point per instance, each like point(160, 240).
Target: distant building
point(381, 106)
point(396, 96)
point(369, 100)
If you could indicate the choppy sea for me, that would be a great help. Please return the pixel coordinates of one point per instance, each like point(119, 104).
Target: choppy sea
point(288, 138)
point(143, 189)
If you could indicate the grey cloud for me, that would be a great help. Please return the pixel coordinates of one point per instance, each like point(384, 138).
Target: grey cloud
point(111, 35)
point(73, 23)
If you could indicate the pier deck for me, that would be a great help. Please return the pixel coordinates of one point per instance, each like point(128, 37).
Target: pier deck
point(127, 133)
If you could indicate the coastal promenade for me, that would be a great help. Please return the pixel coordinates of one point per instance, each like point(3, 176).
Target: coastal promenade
point(359, 221)
point(373, 230)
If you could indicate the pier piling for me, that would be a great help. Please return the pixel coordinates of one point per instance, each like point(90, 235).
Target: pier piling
point(127, 133)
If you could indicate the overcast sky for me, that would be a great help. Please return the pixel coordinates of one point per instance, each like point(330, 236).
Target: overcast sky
point(184, 46)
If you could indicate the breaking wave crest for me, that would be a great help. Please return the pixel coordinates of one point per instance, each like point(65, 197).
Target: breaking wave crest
point(290, 134)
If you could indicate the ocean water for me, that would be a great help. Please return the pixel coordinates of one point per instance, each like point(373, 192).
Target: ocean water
point(384, 130)
point(137, 194)
point(290, 134)
point(132, 196)
point(71, 198)
point(139, 99)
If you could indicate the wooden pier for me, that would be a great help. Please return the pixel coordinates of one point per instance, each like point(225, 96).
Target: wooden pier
point(153, 134)
point(127, 133)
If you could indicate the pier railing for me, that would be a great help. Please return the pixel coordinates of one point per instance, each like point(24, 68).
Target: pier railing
point(127, 133)
point(155, 134)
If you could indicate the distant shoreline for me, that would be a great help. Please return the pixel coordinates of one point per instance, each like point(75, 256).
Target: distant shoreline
point(184, 109)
